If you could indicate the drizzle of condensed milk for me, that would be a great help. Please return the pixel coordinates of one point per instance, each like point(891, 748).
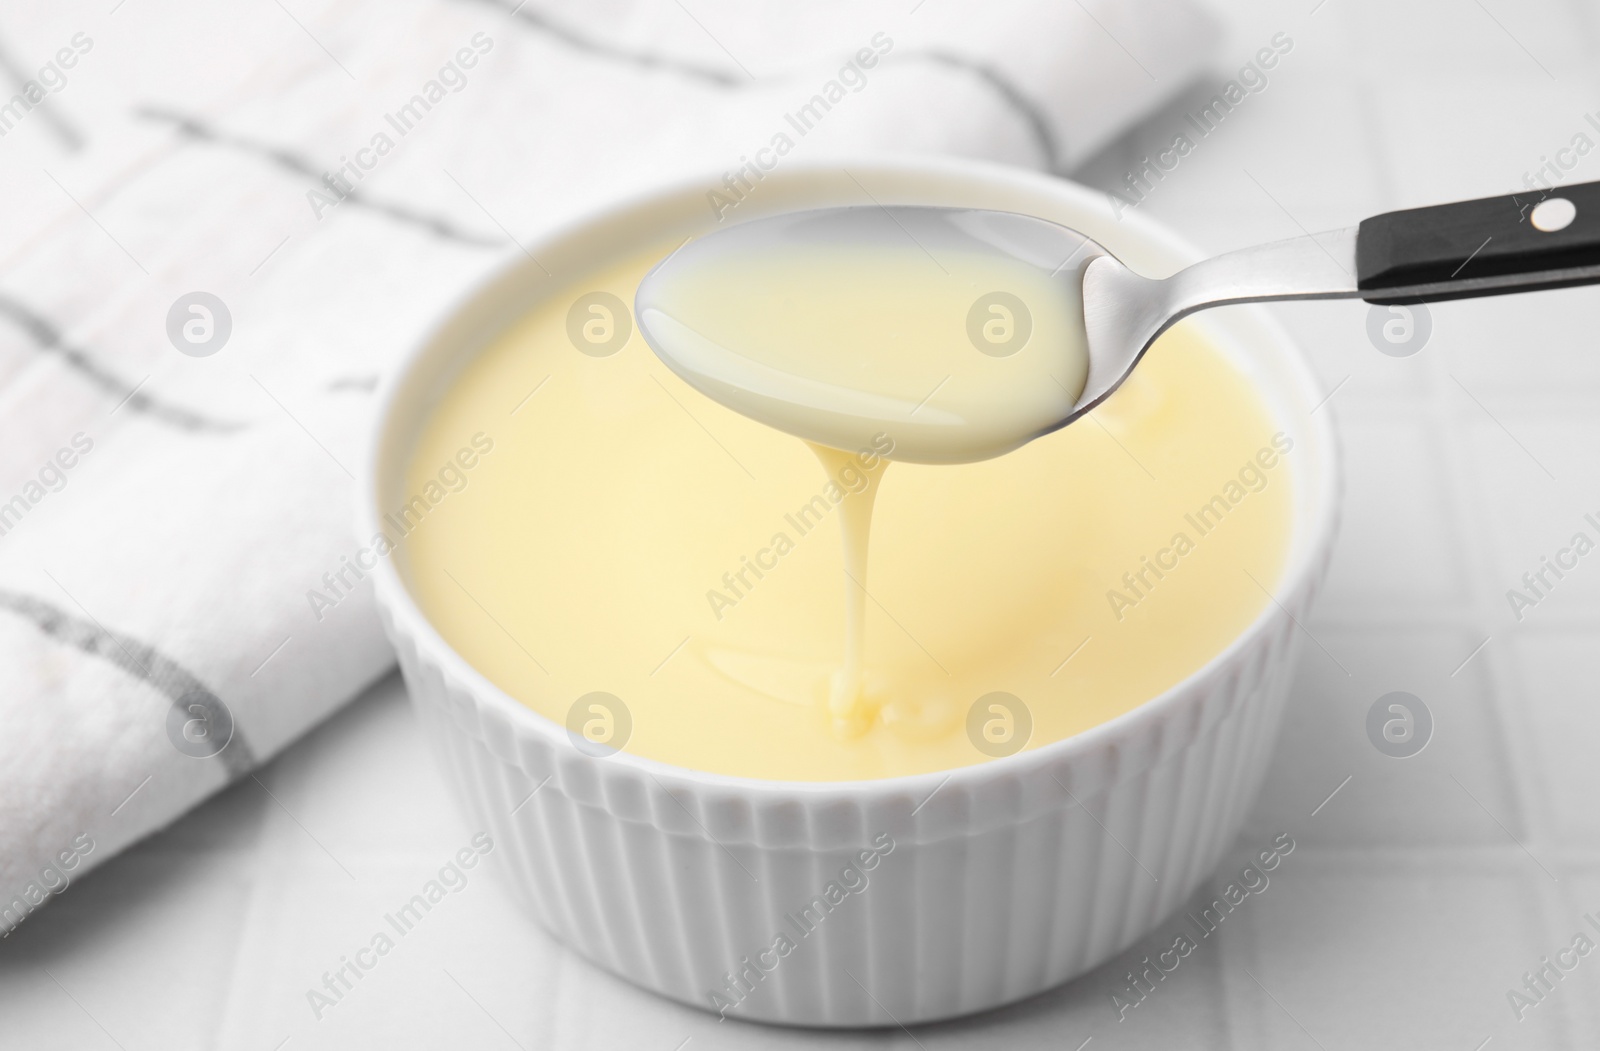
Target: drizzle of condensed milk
point(953, 332)
point(848, 702)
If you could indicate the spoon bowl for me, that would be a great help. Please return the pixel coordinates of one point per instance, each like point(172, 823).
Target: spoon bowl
point(955, 332)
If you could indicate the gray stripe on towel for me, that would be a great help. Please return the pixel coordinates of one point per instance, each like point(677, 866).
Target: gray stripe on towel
point(139, 660)
point(197, 130)
point(1016, 100)
point(49, 338)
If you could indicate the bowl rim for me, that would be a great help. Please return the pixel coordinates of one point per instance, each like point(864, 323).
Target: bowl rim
point(1308, 554)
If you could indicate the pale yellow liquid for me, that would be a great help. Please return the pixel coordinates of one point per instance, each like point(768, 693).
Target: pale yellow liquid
point(626, 534)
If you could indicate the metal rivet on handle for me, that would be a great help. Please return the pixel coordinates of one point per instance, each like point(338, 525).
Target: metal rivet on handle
point(1554, 214)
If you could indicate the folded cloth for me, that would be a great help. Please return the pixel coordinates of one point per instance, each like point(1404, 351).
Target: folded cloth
point(239, 225)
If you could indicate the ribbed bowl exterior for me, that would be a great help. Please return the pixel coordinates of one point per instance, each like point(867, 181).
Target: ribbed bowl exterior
point(992, 890)
point(868, 903)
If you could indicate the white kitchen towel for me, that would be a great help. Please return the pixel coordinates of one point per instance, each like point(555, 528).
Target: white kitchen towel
point(223, 223)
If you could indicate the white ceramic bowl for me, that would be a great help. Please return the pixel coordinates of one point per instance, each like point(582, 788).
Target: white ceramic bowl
point(1004, 878)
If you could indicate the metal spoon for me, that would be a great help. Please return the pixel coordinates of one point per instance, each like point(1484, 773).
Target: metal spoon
point(1472, 248)
point(1486, 247)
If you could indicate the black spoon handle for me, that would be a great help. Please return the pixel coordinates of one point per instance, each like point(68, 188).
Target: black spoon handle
point(1519, 243)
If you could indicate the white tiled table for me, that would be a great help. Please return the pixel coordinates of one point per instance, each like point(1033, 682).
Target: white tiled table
point(1417, 895)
